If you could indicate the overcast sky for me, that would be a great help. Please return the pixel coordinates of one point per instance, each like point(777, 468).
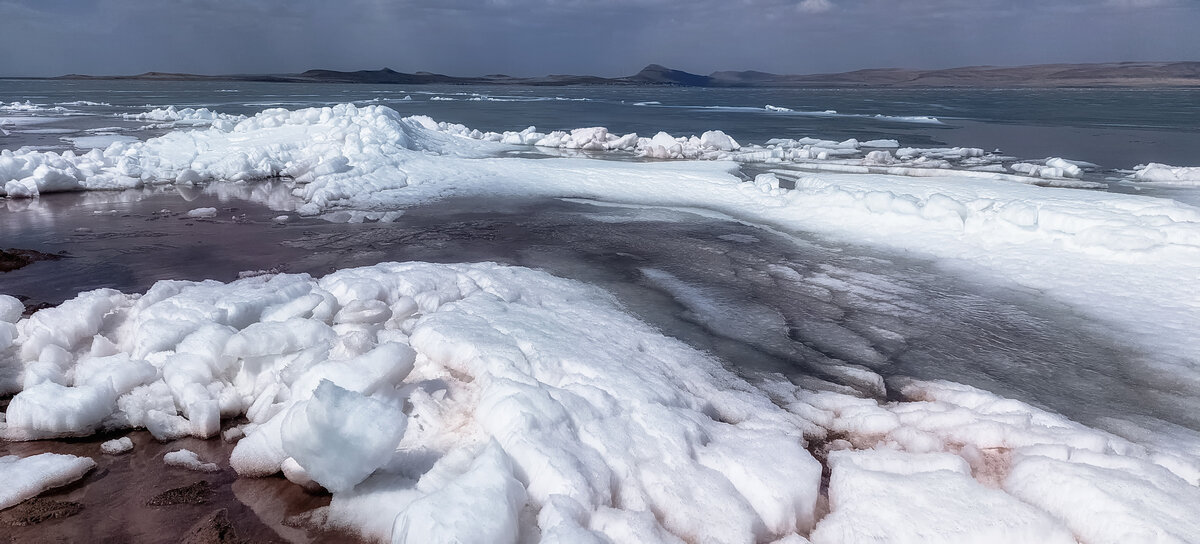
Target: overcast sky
point(602, 37)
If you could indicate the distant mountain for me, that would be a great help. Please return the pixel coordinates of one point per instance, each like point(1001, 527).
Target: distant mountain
point(655, 74)
point(1118, 74)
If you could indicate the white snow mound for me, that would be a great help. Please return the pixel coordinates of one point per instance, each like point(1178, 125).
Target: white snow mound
point(442, 402)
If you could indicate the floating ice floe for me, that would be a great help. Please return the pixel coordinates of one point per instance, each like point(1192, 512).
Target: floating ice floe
point(29, 107)
point(485, 403)
point(83, 103)
point(769, 108)
point(171, 117)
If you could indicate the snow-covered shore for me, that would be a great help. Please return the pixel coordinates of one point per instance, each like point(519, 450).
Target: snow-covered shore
point(485, 402)
point(491, 403)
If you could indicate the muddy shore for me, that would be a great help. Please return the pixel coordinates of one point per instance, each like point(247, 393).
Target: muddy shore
point(137, 498)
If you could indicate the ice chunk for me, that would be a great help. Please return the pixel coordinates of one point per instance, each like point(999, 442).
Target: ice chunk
point(10, 309)
point(260, 452)
point(172, 116)
point(297, 475)
point(118, 371)
point(1169, 175)
point(756, 464)
point(715, 139)
point(340, 437)
point(117, 446)
point(379, 369)
point(266, 339)
point(481, 506)
point(190, 460)
point(27, 477)
point(1069, 169)
point(202, 213)
point(49, 410)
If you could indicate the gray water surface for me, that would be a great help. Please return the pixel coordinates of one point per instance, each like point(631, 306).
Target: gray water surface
point(1115, 128)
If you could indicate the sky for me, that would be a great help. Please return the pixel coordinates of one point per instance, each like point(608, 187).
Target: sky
point(605, 37)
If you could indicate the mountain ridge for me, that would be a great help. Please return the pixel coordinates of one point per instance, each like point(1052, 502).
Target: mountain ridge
point(1112, 74)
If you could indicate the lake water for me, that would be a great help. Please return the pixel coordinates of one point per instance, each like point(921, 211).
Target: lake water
point(1113, 128)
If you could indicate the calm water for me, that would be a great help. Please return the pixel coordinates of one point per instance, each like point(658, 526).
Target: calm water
point(1112, 128)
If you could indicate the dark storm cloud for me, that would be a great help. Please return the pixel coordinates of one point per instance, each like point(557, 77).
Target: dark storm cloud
point(614, 37)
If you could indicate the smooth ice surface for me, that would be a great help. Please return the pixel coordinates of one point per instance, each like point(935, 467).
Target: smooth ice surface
point(26, 477)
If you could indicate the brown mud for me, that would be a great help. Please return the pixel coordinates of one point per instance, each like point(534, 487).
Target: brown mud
point(136, 498)
point(13, 258)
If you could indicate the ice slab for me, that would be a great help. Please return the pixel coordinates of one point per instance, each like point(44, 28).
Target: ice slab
point(27, 477)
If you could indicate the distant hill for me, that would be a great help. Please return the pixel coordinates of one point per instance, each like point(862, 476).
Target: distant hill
point(655, 74)
point(1116, 74)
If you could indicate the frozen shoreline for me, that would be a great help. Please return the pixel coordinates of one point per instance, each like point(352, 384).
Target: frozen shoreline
point(490, 343)
point(172, 361)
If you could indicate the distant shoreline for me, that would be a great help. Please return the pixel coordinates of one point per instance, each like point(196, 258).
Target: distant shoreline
point(1102, 75)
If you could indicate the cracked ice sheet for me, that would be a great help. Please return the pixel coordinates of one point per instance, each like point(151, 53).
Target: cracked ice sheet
point(487, 403)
